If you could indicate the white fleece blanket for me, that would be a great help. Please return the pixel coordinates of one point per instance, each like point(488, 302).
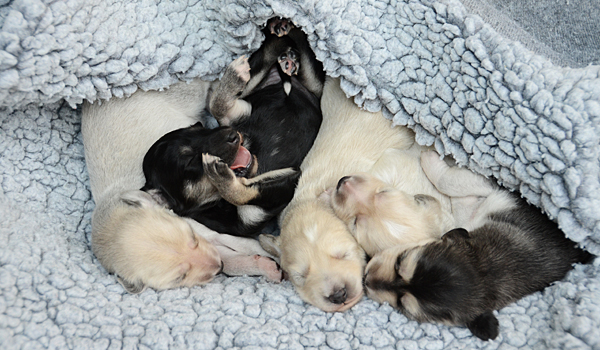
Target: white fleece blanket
point(489, 102)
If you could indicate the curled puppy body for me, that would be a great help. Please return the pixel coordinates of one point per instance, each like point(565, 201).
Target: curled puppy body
point(149, 246)
point(269, 114)
point(511, 250)
point(116, 136)
point(394, 203)
point(323, 261)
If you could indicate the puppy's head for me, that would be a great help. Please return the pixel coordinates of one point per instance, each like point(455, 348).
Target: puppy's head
point(435, 282)
point(379, 215)
point(147, 245)
point(173, 165)
point(322, 260)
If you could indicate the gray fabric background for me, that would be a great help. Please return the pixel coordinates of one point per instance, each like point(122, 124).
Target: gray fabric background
point(565, 31)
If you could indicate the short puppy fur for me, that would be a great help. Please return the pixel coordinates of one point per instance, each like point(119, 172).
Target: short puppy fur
point(510, 250)
point(116, 136)
point(324, 262)
point(394, 203)
point(237, 177)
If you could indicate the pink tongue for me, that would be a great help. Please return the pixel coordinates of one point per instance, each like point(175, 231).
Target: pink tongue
point(242, 159)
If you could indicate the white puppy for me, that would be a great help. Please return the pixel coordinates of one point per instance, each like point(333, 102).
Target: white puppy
point(133, 235)
point(323, 260)
point(394, 203)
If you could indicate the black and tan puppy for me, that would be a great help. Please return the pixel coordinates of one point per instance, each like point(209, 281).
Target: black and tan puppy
point(511, 250)
point(237, 177)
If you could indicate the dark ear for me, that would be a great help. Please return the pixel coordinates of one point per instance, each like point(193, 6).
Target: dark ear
point(455, 235)
point(484, 326)
point(132, 287)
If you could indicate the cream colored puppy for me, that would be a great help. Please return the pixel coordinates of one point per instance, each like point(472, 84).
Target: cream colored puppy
point(133, 235)
point(394, 203)
point(324, 262)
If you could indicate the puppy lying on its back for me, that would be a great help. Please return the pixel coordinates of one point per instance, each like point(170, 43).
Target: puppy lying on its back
point(508, 250)
point(236, 178)
point(116, 136)
point(322, 259)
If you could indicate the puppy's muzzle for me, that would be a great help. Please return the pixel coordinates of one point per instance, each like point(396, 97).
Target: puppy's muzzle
point(339, 296)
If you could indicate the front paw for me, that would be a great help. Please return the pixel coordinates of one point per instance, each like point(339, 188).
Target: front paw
point(280, 26)
point(217, 170)
point(269, 268)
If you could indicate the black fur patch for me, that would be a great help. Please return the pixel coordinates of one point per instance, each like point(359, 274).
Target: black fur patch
point(279, 132)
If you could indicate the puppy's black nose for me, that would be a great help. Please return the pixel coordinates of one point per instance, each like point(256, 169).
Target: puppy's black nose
point(339, 296)
point(341, 182)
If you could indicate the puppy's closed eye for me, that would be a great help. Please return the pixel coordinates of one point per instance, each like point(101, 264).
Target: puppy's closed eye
point(340, 255)
point(191, 160)
point(299, 277)
point(180, 279)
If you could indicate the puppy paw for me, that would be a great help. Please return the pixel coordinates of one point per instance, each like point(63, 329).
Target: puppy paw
point(430, 159)
point(289, 62)
point(269, 268)
point(433, 166)
point(217, 170)
point(236, 75)
point(241, 68)
point(280, 26)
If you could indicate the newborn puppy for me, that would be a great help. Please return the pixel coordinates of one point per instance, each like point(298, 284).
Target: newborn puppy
point(510, 250)
point(116, 136)
point(236, 178)
point(324, 262)
point(149, 246)
point(406, 208)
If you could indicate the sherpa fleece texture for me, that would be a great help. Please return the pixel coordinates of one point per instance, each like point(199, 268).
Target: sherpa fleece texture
point(496, 107)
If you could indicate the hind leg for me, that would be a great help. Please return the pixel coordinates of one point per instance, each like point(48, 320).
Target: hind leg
point(224, 103)
point(454, 181)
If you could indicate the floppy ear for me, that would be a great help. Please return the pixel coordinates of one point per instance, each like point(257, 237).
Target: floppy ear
point(484, 326)
point(270, 243)
point(132, 287)
point(138, 199)
point(455, 235)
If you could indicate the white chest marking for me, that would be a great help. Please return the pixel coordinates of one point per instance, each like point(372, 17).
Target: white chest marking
point(287, 87)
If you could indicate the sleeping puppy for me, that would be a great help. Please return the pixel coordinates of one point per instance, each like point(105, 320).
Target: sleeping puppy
point(509, 250)
point(116, 136)
point(237, 177)
point(394, 203)
point(322, 259)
